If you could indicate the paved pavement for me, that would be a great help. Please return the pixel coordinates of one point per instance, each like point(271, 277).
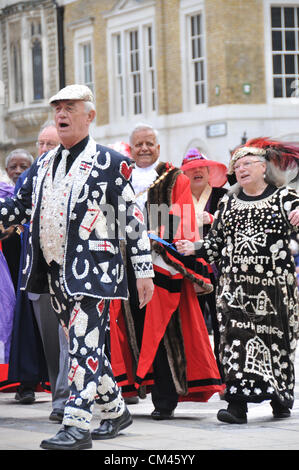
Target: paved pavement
point(194, 429)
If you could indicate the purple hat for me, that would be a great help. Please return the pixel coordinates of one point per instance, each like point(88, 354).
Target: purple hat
point(217, 170)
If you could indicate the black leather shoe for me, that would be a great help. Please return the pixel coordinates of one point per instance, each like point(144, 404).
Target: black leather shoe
point(227, 416)
point(280, 411)
point(25, 396)
point(68, 438)
point(236, 413)
point(159, 415)
point(56, 415)
point(110, 428)
point(131, 400)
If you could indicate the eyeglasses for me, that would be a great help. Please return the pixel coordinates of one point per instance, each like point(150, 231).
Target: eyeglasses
point(245, 165)
point(47, 145)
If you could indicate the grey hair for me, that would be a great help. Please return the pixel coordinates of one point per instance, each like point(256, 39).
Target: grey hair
point(50, 123)
point(141, 127)
point(89, 106)
point(18, 152)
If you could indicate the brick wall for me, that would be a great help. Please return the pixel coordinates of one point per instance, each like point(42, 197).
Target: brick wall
point(235, 51)
point(168, 57)
point(78, 11)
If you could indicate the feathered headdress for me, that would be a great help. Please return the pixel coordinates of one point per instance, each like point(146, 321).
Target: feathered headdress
point(283, 155)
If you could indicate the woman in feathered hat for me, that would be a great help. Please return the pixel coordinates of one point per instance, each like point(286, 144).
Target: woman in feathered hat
point(257, 294)
point(206, 180)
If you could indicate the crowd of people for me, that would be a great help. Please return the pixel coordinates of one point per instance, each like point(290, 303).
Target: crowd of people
point(117, 267)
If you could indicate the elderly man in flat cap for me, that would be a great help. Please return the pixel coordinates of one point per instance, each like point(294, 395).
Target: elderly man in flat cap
point(78, 197)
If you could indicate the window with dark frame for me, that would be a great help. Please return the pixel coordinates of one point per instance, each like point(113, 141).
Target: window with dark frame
point(285, 51)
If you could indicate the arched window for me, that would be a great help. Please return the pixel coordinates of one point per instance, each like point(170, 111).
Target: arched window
point(37, 70)
point(17, 72)
point(37, 61)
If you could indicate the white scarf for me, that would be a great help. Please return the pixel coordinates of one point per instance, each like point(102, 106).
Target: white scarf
point(200, 204)
point(142, 178)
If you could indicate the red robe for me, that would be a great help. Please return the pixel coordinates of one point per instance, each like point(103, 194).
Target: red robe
point(198, 376)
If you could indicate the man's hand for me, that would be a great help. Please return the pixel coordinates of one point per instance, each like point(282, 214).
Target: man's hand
point(7, 232)
point(145, 288)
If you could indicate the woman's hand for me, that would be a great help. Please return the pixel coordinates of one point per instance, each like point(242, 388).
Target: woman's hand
point(185, 247)
point(294, 217)
point(207, 218)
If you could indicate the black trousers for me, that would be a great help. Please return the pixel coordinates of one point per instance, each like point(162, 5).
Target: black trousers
point(164, 395)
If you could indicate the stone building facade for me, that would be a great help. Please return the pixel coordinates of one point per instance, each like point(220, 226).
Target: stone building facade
point(29, 70)
point(203, 72)
point(212, 73)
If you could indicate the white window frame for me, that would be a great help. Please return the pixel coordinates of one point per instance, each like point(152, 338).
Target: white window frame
point(87, 73)
point(119, 74)
point(121, 26)
point(189, 9)
point(150, 69)
point(133, 76)
point(268, 52)
point(83, 36)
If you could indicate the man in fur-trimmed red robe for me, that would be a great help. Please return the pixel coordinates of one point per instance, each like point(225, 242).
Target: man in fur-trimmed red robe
point(164, 348)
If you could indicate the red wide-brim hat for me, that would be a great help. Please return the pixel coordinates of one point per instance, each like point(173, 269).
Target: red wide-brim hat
point(217, 170)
